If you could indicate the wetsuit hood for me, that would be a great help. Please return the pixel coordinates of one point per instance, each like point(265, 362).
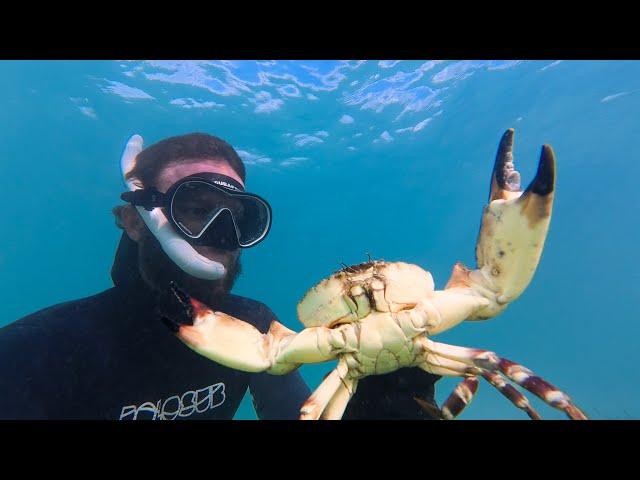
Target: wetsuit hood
point(124, 271)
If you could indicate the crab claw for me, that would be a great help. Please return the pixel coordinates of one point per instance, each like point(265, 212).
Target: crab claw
point(505, 177)
point(185, 309)
point(216, 335)
point(514, 227)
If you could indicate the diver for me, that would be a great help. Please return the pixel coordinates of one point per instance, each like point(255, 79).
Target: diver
point(187, 219)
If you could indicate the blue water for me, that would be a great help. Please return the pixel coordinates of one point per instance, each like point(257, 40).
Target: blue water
point(390, 158)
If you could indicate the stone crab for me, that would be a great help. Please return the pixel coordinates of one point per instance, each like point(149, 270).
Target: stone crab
point(377, 317)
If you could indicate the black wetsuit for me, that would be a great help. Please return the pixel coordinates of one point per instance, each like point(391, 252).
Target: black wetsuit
point(110, 357)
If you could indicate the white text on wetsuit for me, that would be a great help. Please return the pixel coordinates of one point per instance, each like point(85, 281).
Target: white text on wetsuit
point(185, 405)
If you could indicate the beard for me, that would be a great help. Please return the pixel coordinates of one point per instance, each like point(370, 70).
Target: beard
point(158, 270)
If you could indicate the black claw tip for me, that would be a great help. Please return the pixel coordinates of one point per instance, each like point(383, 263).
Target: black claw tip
point(170, 324)
point(507, 136)
point(178, 309)
point(179, 294)
point(430, 408)
point(504, 155)
point(506, 142)
point(173, 287)
point(544, 181)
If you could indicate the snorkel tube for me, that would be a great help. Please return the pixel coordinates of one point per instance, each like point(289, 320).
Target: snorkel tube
point(176, 248)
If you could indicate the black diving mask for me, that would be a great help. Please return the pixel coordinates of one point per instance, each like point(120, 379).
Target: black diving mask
point(206, 208)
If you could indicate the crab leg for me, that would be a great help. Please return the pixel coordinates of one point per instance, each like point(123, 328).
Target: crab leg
point(487, 360)
point(511, 393)
point(463, 393)
point(430, 407)
point(460, 398)
point(338, 403)
point(317, 403)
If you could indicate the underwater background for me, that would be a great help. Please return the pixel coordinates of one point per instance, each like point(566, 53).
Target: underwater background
point(391, 158)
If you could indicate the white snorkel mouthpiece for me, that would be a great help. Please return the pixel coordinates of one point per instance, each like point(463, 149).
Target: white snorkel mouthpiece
point(176, 247)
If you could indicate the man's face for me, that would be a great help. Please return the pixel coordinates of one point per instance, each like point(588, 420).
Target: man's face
point(156, 268)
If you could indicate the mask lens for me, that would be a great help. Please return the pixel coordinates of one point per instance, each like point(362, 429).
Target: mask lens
point(252, 216)
point(198, 207)
point(194, 205)
point(221, 233)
